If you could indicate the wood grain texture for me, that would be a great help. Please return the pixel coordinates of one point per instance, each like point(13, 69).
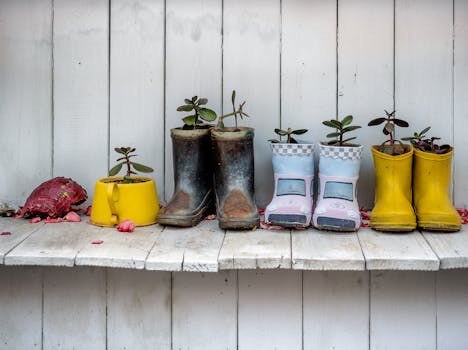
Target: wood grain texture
point(210, 321)
point(187, 249)
point(402, 310)
point(81, 90)
point(21, 308)
point(120, 249)
point(460, 109)
point(452, 309)
point(193, 63)
point(365, 76)
point(25, 97)
point(451, 248)
point(259, 249)
point(137, 82)
point(390, 251)
point(251, 66)
point(74, 308)
point(336, 310)
point(138, 309)
point(316, 250)
point(54, 245)
point(19, 229)
point(270, 310)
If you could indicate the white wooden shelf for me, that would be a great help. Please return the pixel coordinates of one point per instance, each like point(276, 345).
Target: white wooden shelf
point(206, 248)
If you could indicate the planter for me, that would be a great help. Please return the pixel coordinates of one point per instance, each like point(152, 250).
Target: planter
point(234, 178)
point(115, 202)
point(431, 192)
point(393, 210)
point(337, 208)
point(293, 167)
point(193, 178)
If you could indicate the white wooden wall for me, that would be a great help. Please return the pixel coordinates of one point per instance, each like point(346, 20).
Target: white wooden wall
point(78, 78)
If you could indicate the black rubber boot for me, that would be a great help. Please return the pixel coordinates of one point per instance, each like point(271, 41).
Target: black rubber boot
point(193, 179)
point(234, 178)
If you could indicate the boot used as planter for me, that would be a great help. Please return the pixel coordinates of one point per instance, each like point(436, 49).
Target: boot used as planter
point(193, 178)
point(129, 197)
point(432, 165)
point(337, 208)
point(234, 178)
point(393, 210)
point(192, 161)
point(293, 167)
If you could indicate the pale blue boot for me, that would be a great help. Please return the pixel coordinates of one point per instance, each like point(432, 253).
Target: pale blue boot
point(293, 167)
point(337, 208)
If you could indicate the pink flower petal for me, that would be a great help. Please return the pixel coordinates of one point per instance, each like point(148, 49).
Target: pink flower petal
point(35, 220)
point(97, 241)
point(49, 220)
point(72, 217)
point(210, 217)
point(266, 226)
point(88, 210)
point(126, 226)
point(261, 211)
point(5, 233)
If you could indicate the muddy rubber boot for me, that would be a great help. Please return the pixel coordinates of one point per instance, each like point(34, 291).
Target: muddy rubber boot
point(337, 208)
point(234, 178)
point(393, 210)
point(193, 178)
point(431, 192)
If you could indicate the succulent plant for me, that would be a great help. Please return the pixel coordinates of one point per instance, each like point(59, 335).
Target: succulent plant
point(194, 105)
point(342, 127)
point(236, 113)
point(395, 146)
point(288, 133)
point(423, 143)
point(125, 160)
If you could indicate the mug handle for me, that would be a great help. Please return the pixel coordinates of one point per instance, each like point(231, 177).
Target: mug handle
point(112, 192)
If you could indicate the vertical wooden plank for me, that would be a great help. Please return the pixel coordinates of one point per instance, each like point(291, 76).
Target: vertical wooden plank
point(74, 308)
point(308, 65)
point(460, 107)
point(423, 66)
point(251, 66)
point(193, 63)
point(81, 90)
point(336, 310)
point(21, 308)
point(204, 310)
point(25, 97)
point(138, 309)
point(365, 76)
point(452, 309)
point(402, 310)
point(270, 309)
point(137, 82)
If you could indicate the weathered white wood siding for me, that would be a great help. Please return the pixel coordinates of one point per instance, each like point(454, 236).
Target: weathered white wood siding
point(79, 78)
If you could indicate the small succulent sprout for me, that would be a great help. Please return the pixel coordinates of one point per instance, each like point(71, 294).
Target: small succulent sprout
point(342, 127)
point(236, 113)
point(288, 133)
point(395, 146)
point(125, 160)
point(426, 144)
point(199, 113)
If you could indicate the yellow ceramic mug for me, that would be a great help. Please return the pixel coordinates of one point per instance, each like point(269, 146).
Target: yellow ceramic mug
point(115, 202)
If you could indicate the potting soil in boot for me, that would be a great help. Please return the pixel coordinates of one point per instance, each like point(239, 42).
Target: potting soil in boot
point(234, 178)
point(293, 166)
point(337, 207)
point(193, 179)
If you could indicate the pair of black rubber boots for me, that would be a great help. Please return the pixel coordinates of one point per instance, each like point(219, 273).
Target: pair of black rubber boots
point(213, 169)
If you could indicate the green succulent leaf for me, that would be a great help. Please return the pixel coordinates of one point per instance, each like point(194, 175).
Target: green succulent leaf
point(347, 140)
point(351, 128)
point(389, 127)
point(116, 169)
point(202, 101)
point(299, 132)
point(142, 168)
point(243, 114)
point(292, 140)
point(333, 134)
point(194, 98)
point(185, 108)
point(401, 123)
point(207, 114)
point(424, 131)
point(190, 120)
point(281, 132)
point(347, 120)
point(332, 123)
point(385, 131)
point(187, 101)
point(233, 97)
point(273, 141)
point(377, 121)
point(119, 150)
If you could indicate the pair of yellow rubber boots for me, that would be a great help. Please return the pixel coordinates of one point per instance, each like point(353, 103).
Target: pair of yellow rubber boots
point(414, 179)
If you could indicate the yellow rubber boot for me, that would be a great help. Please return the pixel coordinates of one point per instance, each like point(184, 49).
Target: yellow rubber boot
point(431, 192)
point(392, 209)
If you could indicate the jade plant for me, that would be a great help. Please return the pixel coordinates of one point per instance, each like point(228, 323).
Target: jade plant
point(288, 133)
point(126, 153)
point(236, 113)
point(199, 113)
point(341, 127)
point(423, 143)
point(392, 146)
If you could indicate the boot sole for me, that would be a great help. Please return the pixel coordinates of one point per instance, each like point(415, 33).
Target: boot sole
point(184, 220)
point(393, 227)
point(239, 224)
point(439, 227)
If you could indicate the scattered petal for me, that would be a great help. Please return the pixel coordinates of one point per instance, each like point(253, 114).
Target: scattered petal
point(126, 226)
point(5, 233)
point(261, 211)
point(35, 220)
point(97, 241)
point(72, 217)
point(364, 224)
point(50, 220)
point(299, 228)
point(365, 215)
point(210, 217)
point(266, 226)
point(88, 211)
